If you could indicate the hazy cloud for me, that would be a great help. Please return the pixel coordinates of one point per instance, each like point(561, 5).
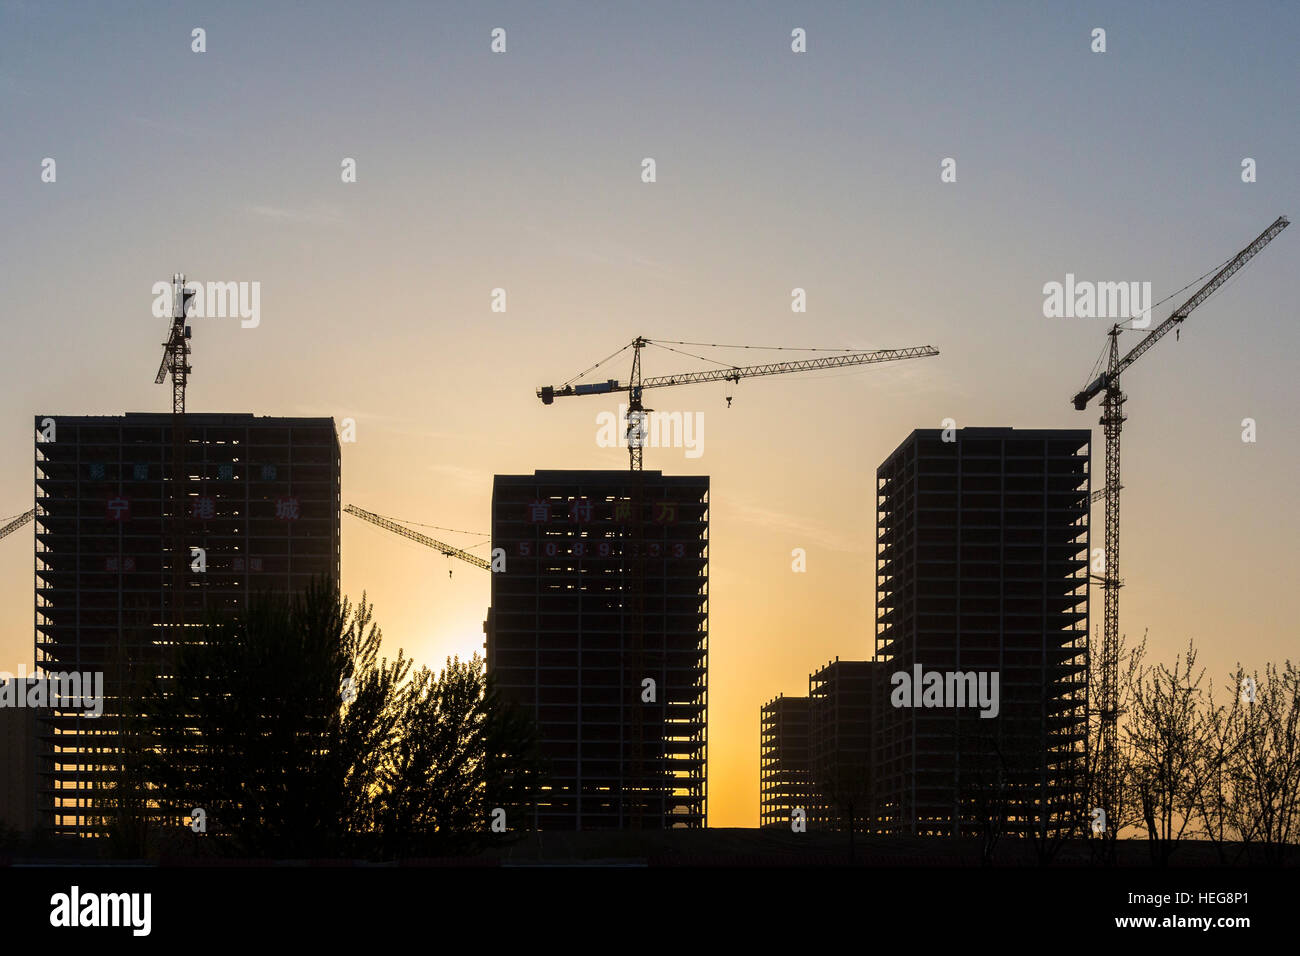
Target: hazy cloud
point(319, 215)
point(807, 531)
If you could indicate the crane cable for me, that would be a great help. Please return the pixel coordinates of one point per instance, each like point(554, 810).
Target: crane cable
point(666, 343)
point(669, 348)
point(775, 348)
point(1186, 287)
point(597, 365)
point(437, 527)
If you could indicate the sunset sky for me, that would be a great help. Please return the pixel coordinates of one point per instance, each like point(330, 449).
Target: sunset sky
point(775, 170)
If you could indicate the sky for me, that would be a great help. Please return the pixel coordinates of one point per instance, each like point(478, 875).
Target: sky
point(774, 170)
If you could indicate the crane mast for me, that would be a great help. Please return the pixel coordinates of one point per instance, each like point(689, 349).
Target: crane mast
point(176, 349)
point(1112, 421)
point(175, 362)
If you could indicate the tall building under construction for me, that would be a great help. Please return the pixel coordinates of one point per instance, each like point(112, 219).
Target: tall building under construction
point(982, 569)
point(138, 539)
point(840, 719)
point(815, 751)
point(784, 774)
point(598, 630)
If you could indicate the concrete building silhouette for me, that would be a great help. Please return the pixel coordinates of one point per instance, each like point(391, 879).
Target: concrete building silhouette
point(261, 500)
point(18, 757)
point(784, 775)
point(840, 718)
point(982, 566)
point(815, 751)
point(598, 630)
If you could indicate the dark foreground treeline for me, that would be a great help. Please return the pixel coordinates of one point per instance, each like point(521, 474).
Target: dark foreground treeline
point(284, 734)
point(1207, 772)
point(1220, 765)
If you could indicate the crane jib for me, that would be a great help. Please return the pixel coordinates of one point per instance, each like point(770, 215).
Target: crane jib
point(548, 394)
point(1229, 269)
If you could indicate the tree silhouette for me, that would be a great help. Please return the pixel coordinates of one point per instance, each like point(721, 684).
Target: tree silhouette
point(297, 740)
point(460, 754)
point(1111, 791)
point(1165, 733)
point(1265, 765)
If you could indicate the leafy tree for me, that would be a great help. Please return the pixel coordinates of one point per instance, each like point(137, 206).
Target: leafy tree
point(460, 754)
point(258, 724)
point(298, 740)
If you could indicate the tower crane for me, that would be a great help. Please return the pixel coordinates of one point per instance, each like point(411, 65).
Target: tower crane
point(175, 361)
point(17, 523)
point(176, 349)
point(424, 539)
point(635, 787)
point(635, 385)
point(1107, 385)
